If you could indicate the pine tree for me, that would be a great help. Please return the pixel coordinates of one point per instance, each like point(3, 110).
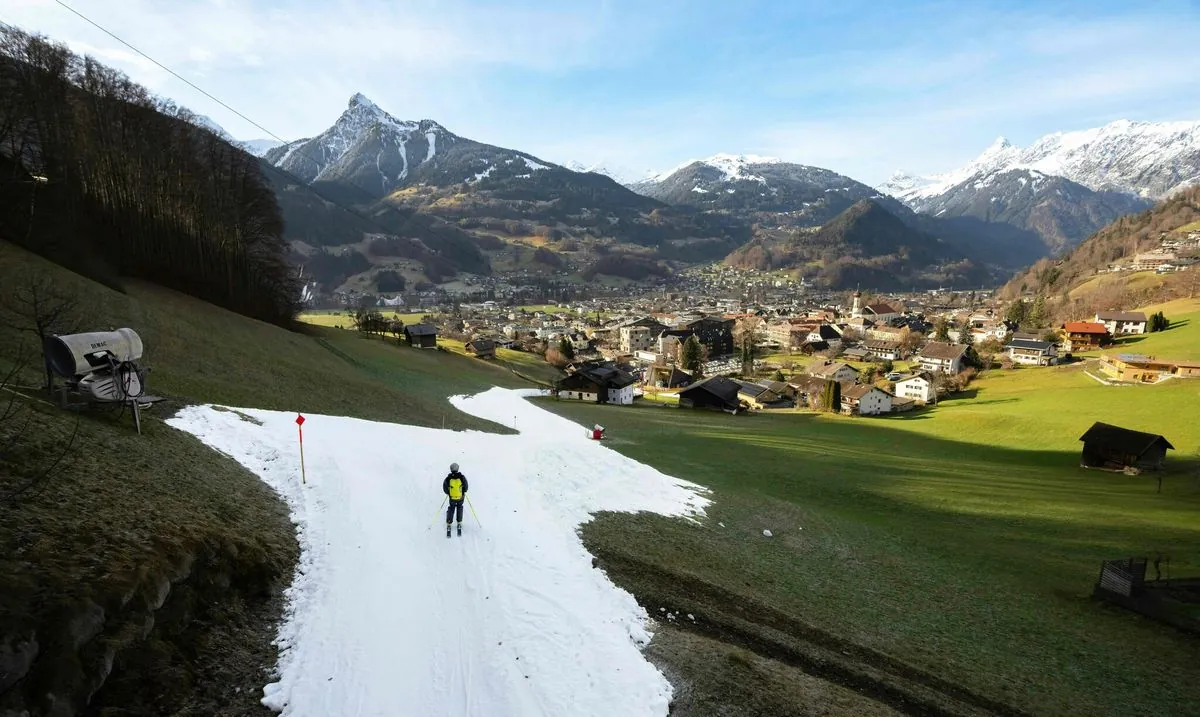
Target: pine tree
point(1038, 316)
point(565, 347)
point(690, 354)
point(831, 397)
point(941, 330)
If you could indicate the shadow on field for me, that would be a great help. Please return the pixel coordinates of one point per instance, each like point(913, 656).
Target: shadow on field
point(929, 575)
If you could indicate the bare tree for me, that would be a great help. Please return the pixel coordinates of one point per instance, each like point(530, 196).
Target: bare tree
point(36, 305)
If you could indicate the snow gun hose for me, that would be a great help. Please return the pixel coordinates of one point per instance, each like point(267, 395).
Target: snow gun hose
point(473, 511)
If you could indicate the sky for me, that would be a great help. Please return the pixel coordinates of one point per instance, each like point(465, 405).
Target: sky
point(861, 87)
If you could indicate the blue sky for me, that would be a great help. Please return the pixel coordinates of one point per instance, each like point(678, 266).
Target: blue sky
point(863, 88)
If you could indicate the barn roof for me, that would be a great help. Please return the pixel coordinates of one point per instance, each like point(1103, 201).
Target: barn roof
point(719, 386)
point(939, 350)
point(1122, 439)
point(421, 330)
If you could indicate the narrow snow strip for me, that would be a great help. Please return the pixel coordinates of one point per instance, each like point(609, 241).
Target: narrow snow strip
point(387, 616)
point(431, 137)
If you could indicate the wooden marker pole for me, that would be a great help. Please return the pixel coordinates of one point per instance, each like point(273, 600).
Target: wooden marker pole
point(300, 430)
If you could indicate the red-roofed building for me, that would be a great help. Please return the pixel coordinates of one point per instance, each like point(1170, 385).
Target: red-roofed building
point(1084, 336)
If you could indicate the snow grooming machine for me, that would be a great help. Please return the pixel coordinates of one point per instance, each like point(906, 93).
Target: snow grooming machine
point(100, 367)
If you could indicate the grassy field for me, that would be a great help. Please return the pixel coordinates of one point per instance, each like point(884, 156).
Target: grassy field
point(962, 541)
point(344, 319)
point(119, 514)
point(1178, 342)
point(520, 363)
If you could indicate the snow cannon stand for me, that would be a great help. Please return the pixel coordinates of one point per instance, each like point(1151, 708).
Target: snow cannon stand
point(101, 368)
point(596, 432)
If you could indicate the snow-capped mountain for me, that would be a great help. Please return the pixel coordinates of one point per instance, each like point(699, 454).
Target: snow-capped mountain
point(797, 193)
point(1148, 159)
point(619, 174)
point(260, 147)
point(377, 153)
point(1058, 210)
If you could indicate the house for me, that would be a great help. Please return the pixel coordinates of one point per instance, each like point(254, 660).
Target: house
point(598, 384)
point(783, 389)
point(421, 336)
point(1120, 323)
point(826, 333)
point(714, 333)
point(807, 388)
point(1115, 448)
point(1032, 353)
point(941, 357)
point(1084, 336)
point(833, 371)
point(885, 333)
point(758, 396)
point(857, 354)
point(1146, 369)
point(668, 377)
point(919, 387)
point(808, 348)
point(1151, 261)
point(885, 350)
point(865, 400)
point(482, 348)
point(714, 392)
point(639, 335)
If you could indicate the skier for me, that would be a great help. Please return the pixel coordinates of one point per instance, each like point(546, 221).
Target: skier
point(455, 488)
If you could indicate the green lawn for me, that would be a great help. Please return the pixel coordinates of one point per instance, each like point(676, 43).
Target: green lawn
point(962, 540)
point(344, 319)
point(522, 363)
point(1178, 342)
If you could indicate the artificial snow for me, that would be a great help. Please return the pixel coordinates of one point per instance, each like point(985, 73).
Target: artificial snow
point(387, 616)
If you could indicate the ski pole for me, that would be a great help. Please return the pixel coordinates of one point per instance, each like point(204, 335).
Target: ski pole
point(473, 510)
point(435, 516)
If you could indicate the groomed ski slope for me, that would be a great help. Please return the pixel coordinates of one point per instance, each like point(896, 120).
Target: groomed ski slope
point(386, 616)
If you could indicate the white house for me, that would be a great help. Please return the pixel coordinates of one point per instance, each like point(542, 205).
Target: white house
point(884, 350)
point(1032, 353)
point(826, 333)
point(1123, 322)
point(941, 357)
point(919, 387)
point(866, 400)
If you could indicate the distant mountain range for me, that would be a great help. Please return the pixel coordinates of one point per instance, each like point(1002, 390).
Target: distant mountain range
point(515, 212)
point(1064, 186)
point(794, 194)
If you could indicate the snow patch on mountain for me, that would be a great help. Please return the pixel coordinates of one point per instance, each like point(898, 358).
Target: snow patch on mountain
point(259, 147)
point(734, 167)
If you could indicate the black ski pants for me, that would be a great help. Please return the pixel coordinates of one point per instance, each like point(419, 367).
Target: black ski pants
point(455, 505)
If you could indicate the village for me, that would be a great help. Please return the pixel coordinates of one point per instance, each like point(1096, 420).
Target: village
point(738, 341)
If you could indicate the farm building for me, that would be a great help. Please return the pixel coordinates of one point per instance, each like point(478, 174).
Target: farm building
point(714, 392)
point(482, 348)
point(1115, 448)
point(757, 396)
point(918, 387)
point(886, 350)
point(1084, 336)
point(421, 336)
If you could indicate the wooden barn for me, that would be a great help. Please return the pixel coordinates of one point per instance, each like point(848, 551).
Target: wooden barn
point(421, 336)
point(482, 348)
point(714, 392)
point(1115, 448)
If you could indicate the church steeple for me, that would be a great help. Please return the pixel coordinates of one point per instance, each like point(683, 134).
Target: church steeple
point(856, 309)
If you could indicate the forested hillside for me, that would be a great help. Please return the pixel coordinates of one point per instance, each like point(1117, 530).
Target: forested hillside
point(104, 178)
point(1122, 239)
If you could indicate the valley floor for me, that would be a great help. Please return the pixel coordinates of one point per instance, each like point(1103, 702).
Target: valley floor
point(510, 619)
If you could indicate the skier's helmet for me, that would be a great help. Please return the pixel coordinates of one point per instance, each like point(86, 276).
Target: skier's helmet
point(453, 467)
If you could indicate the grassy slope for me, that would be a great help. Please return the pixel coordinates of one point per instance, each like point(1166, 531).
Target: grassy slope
point(1178, 342)
point(121, 508)
point(963, 540)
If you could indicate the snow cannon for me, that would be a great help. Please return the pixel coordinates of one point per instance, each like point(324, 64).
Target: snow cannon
point(597, 432)
point(100, 365)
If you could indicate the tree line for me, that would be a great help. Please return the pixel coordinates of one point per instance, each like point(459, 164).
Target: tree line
point(104, 178)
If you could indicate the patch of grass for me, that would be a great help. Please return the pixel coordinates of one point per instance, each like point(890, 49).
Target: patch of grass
point(521, 363)
point(1181, 341)
point(345, 319)
point(963, 540)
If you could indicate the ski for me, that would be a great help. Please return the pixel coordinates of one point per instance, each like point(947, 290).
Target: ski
point(460, 529)
point(447, 530)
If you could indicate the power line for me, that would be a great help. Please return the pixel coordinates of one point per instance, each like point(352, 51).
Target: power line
point(264, 163)
point(173, 73)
